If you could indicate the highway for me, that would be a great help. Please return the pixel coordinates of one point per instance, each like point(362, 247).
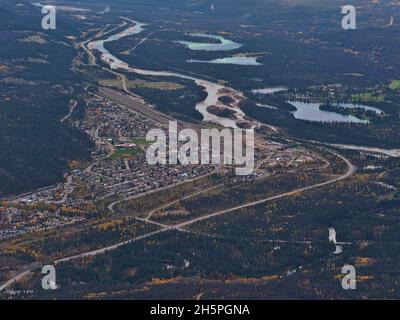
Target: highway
point(109, 248)
point(72, 106)
point(129, 100)
point(351, 170)
point(16, 278)
point(19, 276)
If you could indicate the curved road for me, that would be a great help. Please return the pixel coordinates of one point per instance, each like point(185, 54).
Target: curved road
point(351, 169)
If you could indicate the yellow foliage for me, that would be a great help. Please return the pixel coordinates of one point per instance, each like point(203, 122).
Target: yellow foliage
point(273, 277)
point(158, 281)
point(95, 295)
point(365, 261)
point(364, 278)
point(110, 225)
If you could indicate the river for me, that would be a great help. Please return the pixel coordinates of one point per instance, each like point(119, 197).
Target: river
point(214, 90)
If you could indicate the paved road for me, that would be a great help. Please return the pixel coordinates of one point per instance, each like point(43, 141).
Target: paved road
point(141, 107)
point(72, 106)
point(109, 248)
point(113, 204)
point(351, 169)
point(19, 276)
point(137, 104)
point(395, 153)
point(181, 199)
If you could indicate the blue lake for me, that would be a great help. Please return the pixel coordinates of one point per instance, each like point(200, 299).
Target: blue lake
point(310, 111)
point(222, 45)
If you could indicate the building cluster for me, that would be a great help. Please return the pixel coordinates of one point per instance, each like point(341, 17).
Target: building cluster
point(15, 221)
point(111, 173)
point(118, 170)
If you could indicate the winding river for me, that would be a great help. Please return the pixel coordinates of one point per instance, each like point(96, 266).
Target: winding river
point(306, 111)
point(214, 90)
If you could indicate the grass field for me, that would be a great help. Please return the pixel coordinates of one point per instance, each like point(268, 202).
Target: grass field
point(395, 85)
point(373, 96)
point(128, 153)
point(110, 82)
point(141, 141)
point(125, 153)
point(161, 85)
